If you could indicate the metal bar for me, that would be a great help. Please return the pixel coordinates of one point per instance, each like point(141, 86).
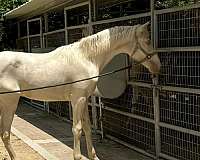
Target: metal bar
point(32, 20)
point(155, 83)
point(66, 32)
point(167, 156)
point(28, 41)
point(35, 105)
point(35, 35)
point(78, 26)
point(21, 38)
point(122, 18)
point(101, 117)
point(70, 112)
point(53, 32)
point(156, 117)
point(167, 88)
point(90, 18)
point(94, 9)
point(181, 89)
point(152, 23)
point(177, 49)
point(140, 84)
point(41, 36)
point(76, 5)
point(175, 9)
point(129, 114)
point(180, 129)
point(46, 23)
point(130, 146)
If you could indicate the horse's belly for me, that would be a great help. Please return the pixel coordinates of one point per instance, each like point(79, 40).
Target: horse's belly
point(52, 94)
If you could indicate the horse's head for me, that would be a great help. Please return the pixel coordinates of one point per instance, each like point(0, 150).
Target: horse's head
point(143, 50)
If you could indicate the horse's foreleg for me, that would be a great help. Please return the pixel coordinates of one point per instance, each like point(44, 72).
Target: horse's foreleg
point(87, 130)
point(78, 107)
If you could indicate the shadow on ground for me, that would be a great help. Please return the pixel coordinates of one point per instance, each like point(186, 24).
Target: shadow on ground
point(106, 149)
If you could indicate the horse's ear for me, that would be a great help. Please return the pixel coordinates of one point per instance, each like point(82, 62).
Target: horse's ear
point(145, 26)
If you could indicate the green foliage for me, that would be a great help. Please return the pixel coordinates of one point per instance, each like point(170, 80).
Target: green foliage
point(7, 5)
point(173, 3)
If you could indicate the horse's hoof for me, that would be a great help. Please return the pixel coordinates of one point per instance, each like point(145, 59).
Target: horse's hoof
point(79, 157)
point(96, 158)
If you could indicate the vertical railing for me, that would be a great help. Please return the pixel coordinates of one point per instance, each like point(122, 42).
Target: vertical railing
point(155, 84)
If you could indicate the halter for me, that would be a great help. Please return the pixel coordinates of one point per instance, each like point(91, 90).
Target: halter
point(148, 56)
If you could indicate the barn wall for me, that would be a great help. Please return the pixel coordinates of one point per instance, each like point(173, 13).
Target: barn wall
point(172, 130)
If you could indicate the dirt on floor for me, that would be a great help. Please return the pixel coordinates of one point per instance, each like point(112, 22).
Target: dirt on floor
point(22, 150)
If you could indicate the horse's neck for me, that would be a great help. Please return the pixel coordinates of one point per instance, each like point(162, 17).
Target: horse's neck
point(104, 47)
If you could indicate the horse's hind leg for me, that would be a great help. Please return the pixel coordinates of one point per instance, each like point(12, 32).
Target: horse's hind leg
point(9, 106)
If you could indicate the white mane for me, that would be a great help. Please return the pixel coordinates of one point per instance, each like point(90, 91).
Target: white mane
point(95, 44)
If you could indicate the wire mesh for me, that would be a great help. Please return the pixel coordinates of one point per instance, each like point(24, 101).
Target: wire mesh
point(134, 131)
point(117, 8)
point(75, 35)
point(179, 29)
point(139, 73)
point(22, 44)
point(180, 69)
point(56, 20)
point(136, 100)
point(23, 28)
point(180, 109)
point(55, 39)
point(77, 16)
point(34, 27)
point(35, 42)
point(60, 108)
point(180, 145)
point(134, 21)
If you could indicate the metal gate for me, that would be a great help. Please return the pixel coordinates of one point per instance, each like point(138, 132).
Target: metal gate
point(161, 120)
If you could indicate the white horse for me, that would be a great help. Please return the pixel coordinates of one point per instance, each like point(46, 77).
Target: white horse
point(83, 59)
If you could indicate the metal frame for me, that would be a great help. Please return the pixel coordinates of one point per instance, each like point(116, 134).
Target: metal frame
point(74, 27)
point(155, 87)
point(36, 35)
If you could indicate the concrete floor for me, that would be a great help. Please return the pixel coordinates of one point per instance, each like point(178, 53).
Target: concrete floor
point(60, 130)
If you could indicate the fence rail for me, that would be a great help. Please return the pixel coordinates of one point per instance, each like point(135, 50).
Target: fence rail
point(159, 120)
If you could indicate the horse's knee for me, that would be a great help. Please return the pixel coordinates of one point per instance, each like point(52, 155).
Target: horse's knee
point(6, 137)
point(77, 131)
point(78, 156)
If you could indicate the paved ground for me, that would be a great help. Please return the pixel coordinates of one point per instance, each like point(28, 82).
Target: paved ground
point(23, 151)
point(53, 138)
